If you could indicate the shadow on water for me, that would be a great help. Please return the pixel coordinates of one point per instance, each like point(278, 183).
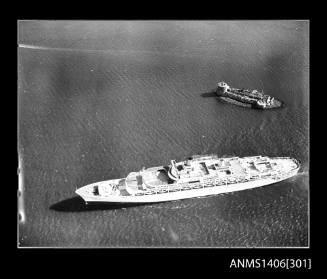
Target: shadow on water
point(209, 94)
point(77, 204)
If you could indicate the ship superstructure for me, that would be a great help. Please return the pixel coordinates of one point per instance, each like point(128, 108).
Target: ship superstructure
point(252, 97)
point(194, 177)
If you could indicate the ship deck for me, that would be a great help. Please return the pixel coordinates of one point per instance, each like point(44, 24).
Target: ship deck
point(155, 177)
point(151, 177)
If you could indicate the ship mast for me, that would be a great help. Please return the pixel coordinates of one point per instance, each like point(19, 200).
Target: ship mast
point(173, 172)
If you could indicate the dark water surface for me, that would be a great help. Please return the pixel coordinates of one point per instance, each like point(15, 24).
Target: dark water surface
point(98, 100)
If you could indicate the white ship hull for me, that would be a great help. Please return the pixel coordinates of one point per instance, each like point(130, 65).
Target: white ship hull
point(196, 177)
point(185, 194)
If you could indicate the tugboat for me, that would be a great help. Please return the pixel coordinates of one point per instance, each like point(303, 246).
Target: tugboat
point(196, 176)
point(251, 98)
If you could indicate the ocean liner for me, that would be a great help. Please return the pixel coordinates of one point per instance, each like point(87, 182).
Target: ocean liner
point(247, 97)
point(196, 176)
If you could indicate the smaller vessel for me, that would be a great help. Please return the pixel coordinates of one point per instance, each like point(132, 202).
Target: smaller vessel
point(249, 97)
